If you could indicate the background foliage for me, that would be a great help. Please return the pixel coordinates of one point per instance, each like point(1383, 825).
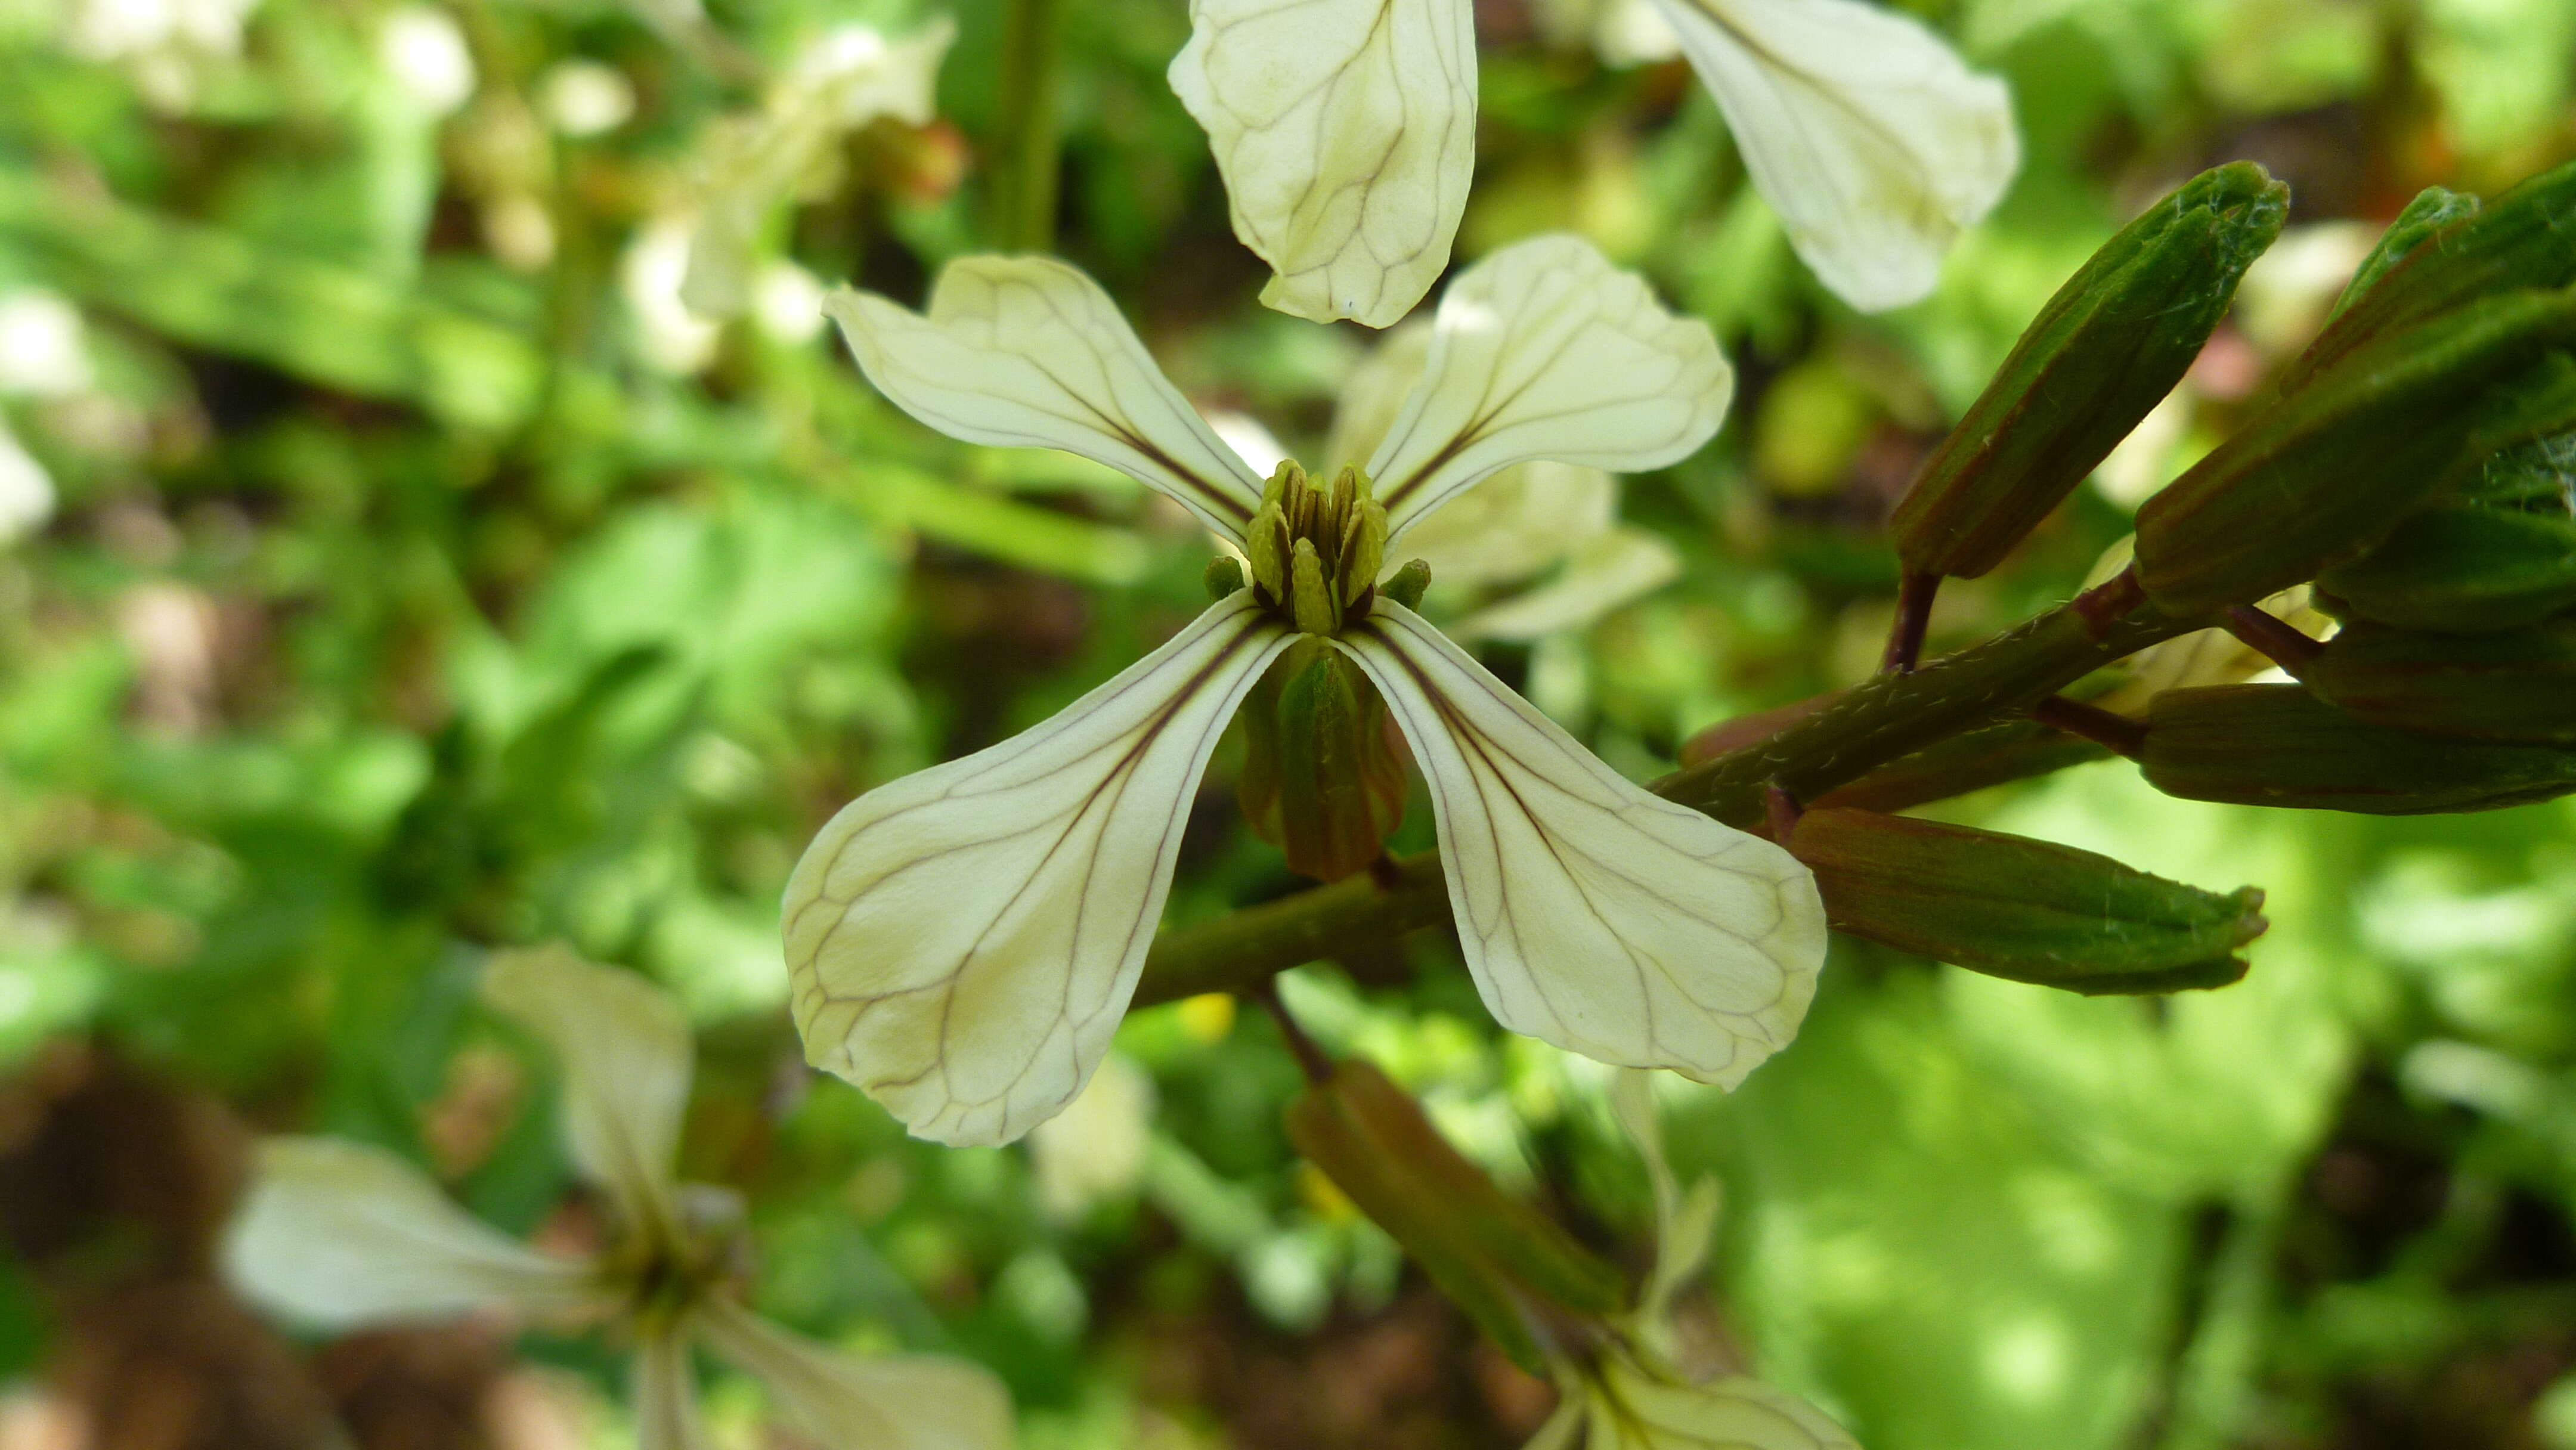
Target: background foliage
point(418, 576)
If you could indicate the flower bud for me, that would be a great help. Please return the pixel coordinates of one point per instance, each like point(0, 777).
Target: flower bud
point(2329, 470)
point(2433, 208)
point(2021, 909)
point(2462, 569)
point(2517, 685)
point(2113, 341)
point(1406, 585)
point(2278, 745)
point(1321, 777)
point(2446, 251)
point(1509, 1268)
point(1223, 577)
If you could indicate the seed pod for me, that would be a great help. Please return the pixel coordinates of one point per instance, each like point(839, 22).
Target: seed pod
point(2437, 263)
point(1495, 1257)
point(2330, 469)
point(2458, 569)
point(2278, 745)
point(1321, 777)
point(2113, 341)
point(2515, 685)
point(2021, 909)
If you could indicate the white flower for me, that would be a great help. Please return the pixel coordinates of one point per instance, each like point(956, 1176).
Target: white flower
point(1518, 524)
point(338, 1235)
point(1345, 131)
point(848, 79)
point(1623, 1393)
point(963, 941)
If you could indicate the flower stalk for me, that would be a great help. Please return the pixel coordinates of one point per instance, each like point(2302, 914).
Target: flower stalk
point(1023, 197)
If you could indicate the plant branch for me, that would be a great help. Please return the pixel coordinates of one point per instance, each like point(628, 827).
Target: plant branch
point(1878, 721)
point(1023, 197)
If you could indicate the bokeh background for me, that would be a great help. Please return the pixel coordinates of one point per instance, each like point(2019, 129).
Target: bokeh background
point(394, 568)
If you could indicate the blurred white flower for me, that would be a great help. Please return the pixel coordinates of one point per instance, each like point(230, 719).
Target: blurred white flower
point(667, 336)
point(1622, 32)
point(340, 1235)
point(166, 45)
point(586, 98)
point(1095, 1150)
point(1345, 132)
point(787, 302)
point(757, 163)
point(425, 53)
point(43, 352)
point(26, 491)
point(1517, 525)
point(963, 941)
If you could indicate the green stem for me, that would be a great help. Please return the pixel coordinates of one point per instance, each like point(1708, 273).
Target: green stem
point(1025, 151)
point(1878, 721)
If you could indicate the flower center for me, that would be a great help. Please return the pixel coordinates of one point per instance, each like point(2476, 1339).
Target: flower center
point(1315, 551)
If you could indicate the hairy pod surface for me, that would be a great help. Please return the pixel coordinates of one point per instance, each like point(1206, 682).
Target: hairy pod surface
point(2278, 745)
point(2107, 347)
point(2511, 685)
point(2027, 910)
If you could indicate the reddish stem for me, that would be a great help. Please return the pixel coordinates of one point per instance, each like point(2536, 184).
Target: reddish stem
point(2116, 733)
point(1914, 595)
point(2275, 639)
point(1781, 810)
point(2106, 604)
point(1311, 1058)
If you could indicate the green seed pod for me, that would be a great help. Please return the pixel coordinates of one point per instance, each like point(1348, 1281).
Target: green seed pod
point(2026, 910)
point(1502, 1262)
point(2433, 208)
point(2106, 348)
point(2518, 240)
point(1321, 777)
point(2460, 569)
point(2278, 745)
point(2329, 470)
point(2517, 685)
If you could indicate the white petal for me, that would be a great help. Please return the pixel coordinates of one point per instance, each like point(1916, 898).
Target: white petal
point(1346, 134)
point(1029, 352)
point(340, 1234)
point(1637, 1410)
point(892, 1402)
point(1593, 915)
point(625, 1049)
point(963, 941)
point(1546, 350)
point(665, 1390)
point(1605, 572)
point(1872, 139)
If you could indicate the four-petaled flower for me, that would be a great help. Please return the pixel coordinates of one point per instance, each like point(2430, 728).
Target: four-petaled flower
point(1345, 131)
point(963, 941)
point(339, 1235)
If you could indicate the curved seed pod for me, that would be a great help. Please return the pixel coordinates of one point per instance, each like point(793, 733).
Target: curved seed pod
point(2026, 910)
point(2329, 470)
point(2462, 570)
point(2106, 348)
point(2278, 745)
point(2517, 685)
